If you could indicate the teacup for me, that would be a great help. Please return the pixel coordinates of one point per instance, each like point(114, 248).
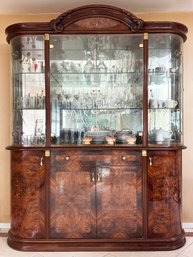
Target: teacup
point(170, 103)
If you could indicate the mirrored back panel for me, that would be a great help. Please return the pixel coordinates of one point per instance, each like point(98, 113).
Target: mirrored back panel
point(96, 88)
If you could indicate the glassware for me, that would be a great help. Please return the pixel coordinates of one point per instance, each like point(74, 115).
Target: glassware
point(165, 96)
point(29, 87)
point(88, 67)
point(95, 75)
point(100, 90)
point(102, 68)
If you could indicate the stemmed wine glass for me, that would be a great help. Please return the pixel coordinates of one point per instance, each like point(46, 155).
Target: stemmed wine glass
point(67, 102)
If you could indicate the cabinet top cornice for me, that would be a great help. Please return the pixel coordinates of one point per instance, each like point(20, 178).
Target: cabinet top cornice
point(96, 19)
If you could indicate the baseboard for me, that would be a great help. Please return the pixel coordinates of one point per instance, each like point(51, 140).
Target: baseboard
point(4, 227)
point(188, 227)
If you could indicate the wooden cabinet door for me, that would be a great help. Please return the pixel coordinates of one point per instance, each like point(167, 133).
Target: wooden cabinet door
point(119, 195)
point(72, 205)
point(96, 194)
point(164, 194)
point(27, 194)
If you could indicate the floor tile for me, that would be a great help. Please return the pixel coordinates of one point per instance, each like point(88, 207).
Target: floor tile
point(133, 254)
point(188, 251)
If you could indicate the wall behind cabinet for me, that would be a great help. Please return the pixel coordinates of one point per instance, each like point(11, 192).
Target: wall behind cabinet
point(5, 110)
point(5, 106)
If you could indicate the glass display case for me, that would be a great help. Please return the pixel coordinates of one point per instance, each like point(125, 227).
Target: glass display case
point(28, 69)
point(97, 89)
point(165, 89)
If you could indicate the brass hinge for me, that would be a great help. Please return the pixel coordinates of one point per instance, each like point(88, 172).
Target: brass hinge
point(145, 36)
point(47, 153)
point(144, 153)
point(46, 37)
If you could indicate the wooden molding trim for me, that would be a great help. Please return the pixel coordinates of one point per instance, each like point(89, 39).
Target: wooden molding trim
point(96, 19)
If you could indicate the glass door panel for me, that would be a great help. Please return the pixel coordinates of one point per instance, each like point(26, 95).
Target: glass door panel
point(96, 88)
point(164, 89)
point(29, 90)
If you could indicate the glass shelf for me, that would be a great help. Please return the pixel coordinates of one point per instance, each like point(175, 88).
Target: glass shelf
point(164, 90)
point(29, 90)
point(103, 109)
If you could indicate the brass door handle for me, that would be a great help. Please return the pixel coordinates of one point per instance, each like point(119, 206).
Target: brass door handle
point(150, 161)
point(99, 174)
point(99, 179)
point(41, 161)
point(92, 177)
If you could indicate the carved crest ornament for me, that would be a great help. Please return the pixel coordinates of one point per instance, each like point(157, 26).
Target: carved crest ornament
point(96, 15)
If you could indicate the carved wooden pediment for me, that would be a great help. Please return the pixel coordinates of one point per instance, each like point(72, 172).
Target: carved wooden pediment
point(96, 17)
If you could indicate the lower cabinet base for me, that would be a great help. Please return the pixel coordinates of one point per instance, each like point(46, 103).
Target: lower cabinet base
point(42, 245)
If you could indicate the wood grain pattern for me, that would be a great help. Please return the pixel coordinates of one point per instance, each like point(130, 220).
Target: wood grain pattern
point(163, 196)
point(97, 23)
point(73, 213)
point(27, 194)
point(96, 200)
point(119, 196)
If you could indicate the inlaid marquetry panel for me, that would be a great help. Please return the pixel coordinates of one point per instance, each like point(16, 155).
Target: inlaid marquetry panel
point(27, 194)
point(98, 23)
point(164, 201)
point(72, 206)
point(119, 197)
point(96, 194)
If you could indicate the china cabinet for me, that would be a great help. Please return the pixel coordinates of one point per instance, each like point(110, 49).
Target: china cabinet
point(97, 132)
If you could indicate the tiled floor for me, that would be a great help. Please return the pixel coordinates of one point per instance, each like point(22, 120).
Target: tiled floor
point(185, 251)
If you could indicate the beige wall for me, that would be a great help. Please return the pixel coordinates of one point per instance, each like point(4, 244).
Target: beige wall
point(5, 81)
point(5, 20)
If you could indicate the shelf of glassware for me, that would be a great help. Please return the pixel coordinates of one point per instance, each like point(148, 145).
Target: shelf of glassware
point(29, 90)
point(29, 108)
point(28, 127)
point(92, 67)
point(127, 96)
point(165, 126)
point(96, 122)
point(93, 79)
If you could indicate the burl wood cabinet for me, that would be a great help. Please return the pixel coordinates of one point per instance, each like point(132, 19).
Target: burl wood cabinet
point(97, 133)
point(96, 195)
